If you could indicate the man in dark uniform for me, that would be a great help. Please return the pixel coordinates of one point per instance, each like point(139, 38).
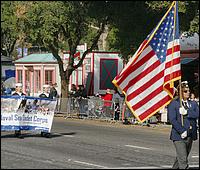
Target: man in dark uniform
point(45, 94)
point(53, 92)
point(184, 125)
point(18, 92)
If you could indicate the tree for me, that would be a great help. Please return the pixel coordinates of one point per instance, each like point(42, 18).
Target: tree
point(61, 26)
point(132, 21)
point(12, 27)
point(188, 14)
point(9, 34)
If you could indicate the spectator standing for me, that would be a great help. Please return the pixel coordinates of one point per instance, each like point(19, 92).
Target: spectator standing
point(107, 102)
point(81, 95)
point(73, 90)
point(193, 97)
point(116, 100)
point(72, 93)
point(184, 125)
point(18, 92)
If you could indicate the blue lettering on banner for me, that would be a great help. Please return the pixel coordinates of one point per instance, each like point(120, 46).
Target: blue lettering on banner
point(42, 120)
point(4, 118)
point(22, 118)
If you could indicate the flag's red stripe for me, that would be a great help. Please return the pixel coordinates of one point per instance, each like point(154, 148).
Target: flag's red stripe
point(154, 107)
point(145, 86)
point(149, 83)
point(127, 72)
point(172, 62)
point(124, 72)
point(148, 98)
point(141, 75)
point(176, 49)
point(172, 75)
point(135, 66)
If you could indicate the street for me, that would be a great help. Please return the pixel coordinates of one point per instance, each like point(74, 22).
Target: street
point(83, 144)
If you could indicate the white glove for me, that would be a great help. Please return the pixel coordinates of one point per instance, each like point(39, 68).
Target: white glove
point(184, 135)
point(182, 111)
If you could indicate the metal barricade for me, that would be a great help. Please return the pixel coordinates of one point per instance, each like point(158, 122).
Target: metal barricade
point(91, 108)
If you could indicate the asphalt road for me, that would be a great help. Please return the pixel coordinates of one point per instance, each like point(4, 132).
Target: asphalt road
point(89, 144)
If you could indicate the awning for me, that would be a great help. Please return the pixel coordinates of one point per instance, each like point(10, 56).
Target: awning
point(187, 60)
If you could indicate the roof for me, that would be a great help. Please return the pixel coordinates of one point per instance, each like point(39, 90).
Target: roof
point(37, 58)
point(189, 42)
point(6, 59)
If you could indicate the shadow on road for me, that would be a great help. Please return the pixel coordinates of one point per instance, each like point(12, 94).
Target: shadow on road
point(27, 135)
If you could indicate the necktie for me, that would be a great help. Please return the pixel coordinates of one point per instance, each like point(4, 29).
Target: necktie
point(185, 105)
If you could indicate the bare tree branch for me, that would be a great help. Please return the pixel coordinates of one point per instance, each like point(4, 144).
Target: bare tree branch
point(94, 43)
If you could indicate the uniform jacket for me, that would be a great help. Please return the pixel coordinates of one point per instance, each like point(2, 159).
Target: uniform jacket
point(44, 95)
point(53, 93)
point(18, 94)
point(189, 120)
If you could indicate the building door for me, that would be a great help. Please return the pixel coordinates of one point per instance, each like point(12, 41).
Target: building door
point(108, 71)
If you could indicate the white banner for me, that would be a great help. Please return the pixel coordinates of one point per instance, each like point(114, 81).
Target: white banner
point(27, 113)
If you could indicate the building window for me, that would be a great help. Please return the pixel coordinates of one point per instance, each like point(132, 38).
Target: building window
point(48, 76)
point(27, 77)
point(27, 82)
point(37, 80)
point(19, 76)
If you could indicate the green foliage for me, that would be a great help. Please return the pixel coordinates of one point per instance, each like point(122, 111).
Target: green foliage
point(188, 13)
point(67, 22)
point(89, 35)
point(62, 25)
point(112, 39)
point(132, 21)
point(9, 28)
point(194, 25)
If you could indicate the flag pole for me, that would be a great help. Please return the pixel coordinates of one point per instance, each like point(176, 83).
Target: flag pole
point(180, 88)
point(174, 31)
point(151, 36)
point(180, 96)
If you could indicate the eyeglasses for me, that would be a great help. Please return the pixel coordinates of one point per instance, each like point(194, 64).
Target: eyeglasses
point(186, 91)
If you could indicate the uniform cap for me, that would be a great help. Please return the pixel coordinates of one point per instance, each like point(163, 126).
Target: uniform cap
point(45, 85)
point(18, 84)
point(184, 82)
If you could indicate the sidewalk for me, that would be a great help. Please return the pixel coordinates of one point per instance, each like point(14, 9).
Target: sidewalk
point(118, 124)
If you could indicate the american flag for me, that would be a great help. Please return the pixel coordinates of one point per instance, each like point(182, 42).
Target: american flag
point(147, 80)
